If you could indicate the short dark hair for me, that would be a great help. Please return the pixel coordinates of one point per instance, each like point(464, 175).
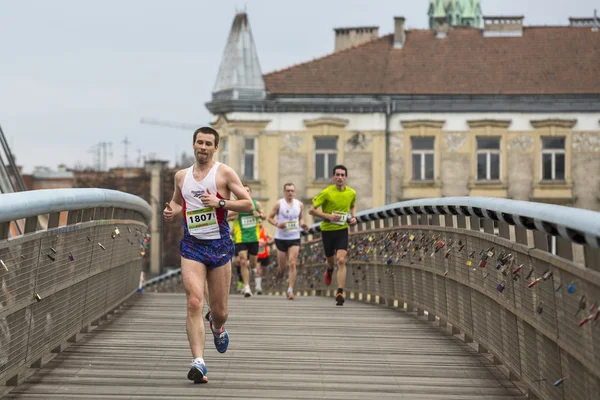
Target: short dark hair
point(288, 184)
point(339, 167)
point(209, 131)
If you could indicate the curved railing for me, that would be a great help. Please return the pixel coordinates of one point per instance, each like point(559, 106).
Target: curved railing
point(79, 258)
point(520, 279)
point(487, 268)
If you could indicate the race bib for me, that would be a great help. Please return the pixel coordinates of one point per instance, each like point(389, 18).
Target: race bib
point(343, 218)
point(201, 220)
point(248, 221)
point(291, 225)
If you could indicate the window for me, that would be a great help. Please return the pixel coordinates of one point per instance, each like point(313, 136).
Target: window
point(422, 158)
point(249, 168)
point(488, 159)
point(224, 145)
point(553, 158)
point(325, 156)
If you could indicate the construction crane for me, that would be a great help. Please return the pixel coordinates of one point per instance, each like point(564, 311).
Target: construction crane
point(170, 124)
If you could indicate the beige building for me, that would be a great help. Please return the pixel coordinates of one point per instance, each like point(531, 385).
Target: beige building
point(507, 111)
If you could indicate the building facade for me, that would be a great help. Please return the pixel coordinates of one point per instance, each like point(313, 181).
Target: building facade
point(504, 111)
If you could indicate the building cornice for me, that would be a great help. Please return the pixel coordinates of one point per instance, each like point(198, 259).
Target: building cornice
point(339, 122)
point(492, 123)
point(556, 123)
point(425, 123)
point(412, 103)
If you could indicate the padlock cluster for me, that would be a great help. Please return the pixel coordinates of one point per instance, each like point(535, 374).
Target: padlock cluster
point(53, 254)
point(390, 247)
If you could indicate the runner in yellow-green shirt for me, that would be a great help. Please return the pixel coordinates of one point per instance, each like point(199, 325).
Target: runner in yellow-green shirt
point(338, 210)
point(246, 232)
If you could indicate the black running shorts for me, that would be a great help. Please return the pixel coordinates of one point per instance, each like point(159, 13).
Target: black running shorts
point(252, 248)
point(334, 241)
point(284, 244)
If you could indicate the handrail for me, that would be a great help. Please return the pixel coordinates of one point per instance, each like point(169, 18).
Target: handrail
point(32, 203)
point(577, 225)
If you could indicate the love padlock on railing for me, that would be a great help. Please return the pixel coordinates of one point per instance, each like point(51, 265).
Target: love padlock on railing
point(501, 286)
point(488, 253)
point(540, 308)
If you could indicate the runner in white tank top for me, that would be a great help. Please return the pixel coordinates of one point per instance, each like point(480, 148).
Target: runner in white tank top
point(202, 195)
point(201, 222)
point(289, 223)
point(289, 213)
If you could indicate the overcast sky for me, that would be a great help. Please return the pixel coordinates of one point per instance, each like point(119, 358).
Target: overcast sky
point(76, 73)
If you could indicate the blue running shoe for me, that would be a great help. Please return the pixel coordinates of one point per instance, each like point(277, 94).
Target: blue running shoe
point(198, 373)
point(221, 341)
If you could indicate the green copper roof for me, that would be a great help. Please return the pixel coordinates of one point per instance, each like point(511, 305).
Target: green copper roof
point(458, 12)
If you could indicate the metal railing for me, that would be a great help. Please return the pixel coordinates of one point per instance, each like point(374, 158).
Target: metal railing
point(57, 281)
point(484, 267)
point(520, 279)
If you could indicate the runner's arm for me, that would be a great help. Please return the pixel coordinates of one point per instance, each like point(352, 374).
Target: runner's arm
point(243, 202)
point(318, 213)
point(353, 220)
point(274, 213)
point(301, 218)
point(175, 206)
point(259, 211)
point(232, 215)
point(272, 216)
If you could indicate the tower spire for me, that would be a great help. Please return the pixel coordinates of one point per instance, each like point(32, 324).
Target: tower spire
point(240, 76)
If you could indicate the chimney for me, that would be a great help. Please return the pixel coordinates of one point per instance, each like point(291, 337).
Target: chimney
point(585, 22)
point(441, 27)
point(503, 26)
point(349, 37)
point(399, 34)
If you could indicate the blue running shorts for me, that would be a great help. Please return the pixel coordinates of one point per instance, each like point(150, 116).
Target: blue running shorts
point(212, 253)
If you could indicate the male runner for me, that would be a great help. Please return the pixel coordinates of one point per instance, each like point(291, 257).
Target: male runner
point(335, 202)
point(202, 194)
point(264, 240)
point(246, 230)
point(289, 222)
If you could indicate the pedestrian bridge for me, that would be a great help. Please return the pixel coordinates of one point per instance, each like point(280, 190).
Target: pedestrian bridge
point(451, 298)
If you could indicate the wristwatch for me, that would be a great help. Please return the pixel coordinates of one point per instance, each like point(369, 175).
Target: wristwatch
point(221, 203)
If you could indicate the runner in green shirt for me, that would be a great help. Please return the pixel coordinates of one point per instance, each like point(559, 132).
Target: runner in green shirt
point(338, 210)
point(246, 230)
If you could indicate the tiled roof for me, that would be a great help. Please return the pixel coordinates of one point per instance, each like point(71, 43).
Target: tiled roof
point(545, 60)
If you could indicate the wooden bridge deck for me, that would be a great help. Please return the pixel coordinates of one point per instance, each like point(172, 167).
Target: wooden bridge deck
point(279, 349)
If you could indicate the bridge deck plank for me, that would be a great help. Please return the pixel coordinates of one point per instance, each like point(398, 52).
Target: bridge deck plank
point(302, 349)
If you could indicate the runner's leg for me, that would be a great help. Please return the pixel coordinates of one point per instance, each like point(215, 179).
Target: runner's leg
point(194, 275)
point(219, 280)
point(293, 252)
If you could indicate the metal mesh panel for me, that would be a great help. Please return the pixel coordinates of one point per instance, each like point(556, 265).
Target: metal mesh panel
point(418, 285)
point(575, 387)
point(479, 307)
point(440, 296)
point(21, 261)
point(15, 328)
point(428, 292)
point(465, 309)
point(529, 361)
point(549, 367)
point(506, 296)
point(510, 341)
point(453, 306)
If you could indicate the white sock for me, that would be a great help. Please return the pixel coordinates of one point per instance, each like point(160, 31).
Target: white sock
point(199, 360)
point(290, 290)
point(258, 281)
point(212, 328)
